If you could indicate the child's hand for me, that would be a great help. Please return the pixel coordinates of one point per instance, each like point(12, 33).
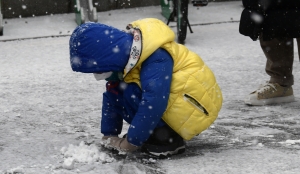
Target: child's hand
point(120, 144)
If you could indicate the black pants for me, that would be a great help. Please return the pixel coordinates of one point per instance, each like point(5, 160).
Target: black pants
point(280, 57)
point(163, 135)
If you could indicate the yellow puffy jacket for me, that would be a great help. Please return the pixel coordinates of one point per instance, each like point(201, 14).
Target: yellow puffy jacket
point(195, 97)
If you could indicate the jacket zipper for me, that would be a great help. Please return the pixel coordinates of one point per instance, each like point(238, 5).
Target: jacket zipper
point(195, 103)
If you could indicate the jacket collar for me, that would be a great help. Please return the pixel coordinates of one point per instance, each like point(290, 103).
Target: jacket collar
point(136, 48)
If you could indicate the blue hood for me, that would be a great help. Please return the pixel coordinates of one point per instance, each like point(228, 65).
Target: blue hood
point(96, 47)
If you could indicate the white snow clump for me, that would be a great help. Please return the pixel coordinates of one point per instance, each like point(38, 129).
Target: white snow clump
point(83, 154)
point(290, 142)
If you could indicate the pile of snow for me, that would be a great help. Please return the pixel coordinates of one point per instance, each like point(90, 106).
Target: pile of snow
point(83, 154)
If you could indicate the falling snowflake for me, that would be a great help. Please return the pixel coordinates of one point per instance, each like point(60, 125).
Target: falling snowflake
point(116, 50)
point(257, 18)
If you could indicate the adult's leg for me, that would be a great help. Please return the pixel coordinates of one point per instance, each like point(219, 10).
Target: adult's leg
point(280, 56)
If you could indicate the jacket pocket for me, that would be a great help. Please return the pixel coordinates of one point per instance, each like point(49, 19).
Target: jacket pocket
point(195, 103)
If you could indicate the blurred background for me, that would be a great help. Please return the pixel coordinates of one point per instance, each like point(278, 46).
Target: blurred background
point(30, 8)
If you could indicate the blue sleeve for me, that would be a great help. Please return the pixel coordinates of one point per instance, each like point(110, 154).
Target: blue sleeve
point(156, 77)
point(112, 109)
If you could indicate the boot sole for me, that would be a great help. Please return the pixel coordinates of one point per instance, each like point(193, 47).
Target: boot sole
point(166, 154)
point(276, 100)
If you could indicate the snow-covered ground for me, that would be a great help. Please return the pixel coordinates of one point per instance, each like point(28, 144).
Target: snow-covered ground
point(49, 115)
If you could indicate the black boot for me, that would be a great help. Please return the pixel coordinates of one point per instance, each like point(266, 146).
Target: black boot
point(163, 143)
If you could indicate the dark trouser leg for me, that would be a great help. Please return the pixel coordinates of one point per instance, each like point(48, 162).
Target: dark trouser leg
point(163, 135)
point(280, 57)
